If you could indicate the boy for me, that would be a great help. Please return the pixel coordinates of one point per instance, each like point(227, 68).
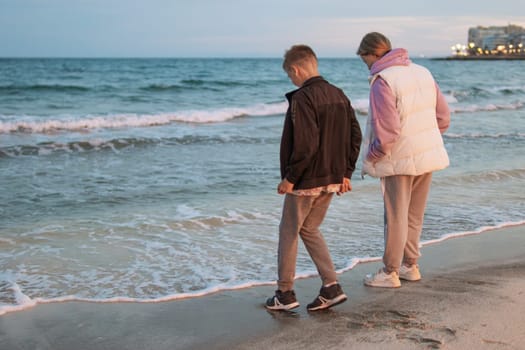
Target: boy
point(319, 148)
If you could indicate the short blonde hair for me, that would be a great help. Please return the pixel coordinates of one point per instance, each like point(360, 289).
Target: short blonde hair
point(300, 55)
point(374, 43)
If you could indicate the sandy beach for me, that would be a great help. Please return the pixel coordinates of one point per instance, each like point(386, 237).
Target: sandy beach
point(471, 297)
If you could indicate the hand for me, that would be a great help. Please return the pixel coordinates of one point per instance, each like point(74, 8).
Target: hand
point(285, 186)
point(346, 186)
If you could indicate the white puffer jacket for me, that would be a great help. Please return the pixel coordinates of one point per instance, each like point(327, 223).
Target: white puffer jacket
point(420, 147)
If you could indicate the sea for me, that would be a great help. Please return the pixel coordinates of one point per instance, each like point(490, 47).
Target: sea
point(151, 180)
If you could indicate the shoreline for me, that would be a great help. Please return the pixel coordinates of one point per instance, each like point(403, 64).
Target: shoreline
point(32, 303)
point(462, 278)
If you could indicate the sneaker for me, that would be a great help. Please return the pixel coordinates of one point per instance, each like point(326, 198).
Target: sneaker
point(409, 273)
point(383, 279)
point(328, 297)
point(282, 301)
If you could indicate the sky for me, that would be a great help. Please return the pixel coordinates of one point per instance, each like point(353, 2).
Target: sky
point(239, 28)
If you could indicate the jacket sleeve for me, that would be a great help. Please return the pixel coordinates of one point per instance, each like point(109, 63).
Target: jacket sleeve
point(442, 111)
point(386, 123)
point(305, 139)
point(354, 144)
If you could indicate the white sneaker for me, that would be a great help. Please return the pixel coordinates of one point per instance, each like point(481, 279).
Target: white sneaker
point(383, 279)
point(409, 273)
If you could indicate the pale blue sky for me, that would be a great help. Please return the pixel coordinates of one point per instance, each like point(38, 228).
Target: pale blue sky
point(238, 28)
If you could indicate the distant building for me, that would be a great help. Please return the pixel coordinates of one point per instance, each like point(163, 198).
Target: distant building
point(507, 40)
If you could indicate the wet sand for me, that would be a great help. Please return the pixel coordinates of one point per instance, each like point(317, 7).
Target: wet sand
point(472, 296)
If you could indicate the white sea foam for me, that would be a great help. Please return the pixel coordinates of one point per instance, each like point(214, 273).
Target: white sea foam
point(485, 108)
point(361, 106)
point(483, 135)
point(187, 212)
point(115, 121)
point(35, 125)
point(450, 98)
point(474, 232)
point(23, 302)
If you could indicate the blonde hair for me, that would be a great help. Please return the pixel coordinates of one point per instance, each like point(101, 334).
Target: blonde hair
point(374, 43)
point(301, 55)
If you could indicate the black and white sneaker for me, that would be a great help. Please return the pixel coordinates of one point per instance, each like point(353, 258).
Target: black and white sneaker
point(328, 297)
point(282, 301)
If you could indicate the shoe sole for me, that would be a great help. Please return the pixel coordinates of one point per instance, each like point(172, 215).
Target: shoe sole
point(336, 301)
point(283, 307)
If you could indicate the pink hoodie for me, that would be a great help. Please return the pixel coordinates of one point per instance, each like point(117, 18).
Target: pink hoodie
point(385, 117)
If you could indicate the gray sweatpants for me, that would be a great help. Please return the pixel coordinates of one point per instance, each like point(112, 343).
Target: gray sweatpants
point(302, 216)
point(405, 198)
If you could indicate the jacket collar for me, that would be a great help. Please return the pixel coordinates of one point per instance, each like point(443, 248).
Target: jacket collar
point(308, 82)
point(312, 80)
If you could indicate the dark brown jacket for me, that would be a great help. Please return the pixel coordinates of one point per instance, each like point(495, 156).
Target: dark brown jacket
point(321, 136)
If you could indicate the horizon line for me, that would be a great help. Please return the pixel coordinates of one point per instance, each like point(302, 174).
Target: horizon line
point(193, 57)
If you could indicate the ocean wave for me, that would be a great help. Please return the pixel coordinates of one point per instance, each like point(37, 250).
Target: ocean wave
point(361, 106)
point(163, 87)
point(45, 148)
point(486, 108)
point(450, 98)
point(186, 85)
point(203, 83)
point(97, 144)
point(43, 125)
point(15, 89)
point(16, 300)
point(189, 84)
point(134, 120)
point(505, 90)
point(511, 136)
point(477, 91)
point(484, 177)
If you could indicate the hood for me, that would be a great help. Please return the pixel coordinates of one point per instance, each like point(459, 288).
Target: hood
point(396, 57)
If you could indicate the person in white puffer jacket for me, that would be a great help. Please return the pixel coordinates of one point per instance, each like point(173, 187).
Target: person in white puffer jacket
point(402, 146)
